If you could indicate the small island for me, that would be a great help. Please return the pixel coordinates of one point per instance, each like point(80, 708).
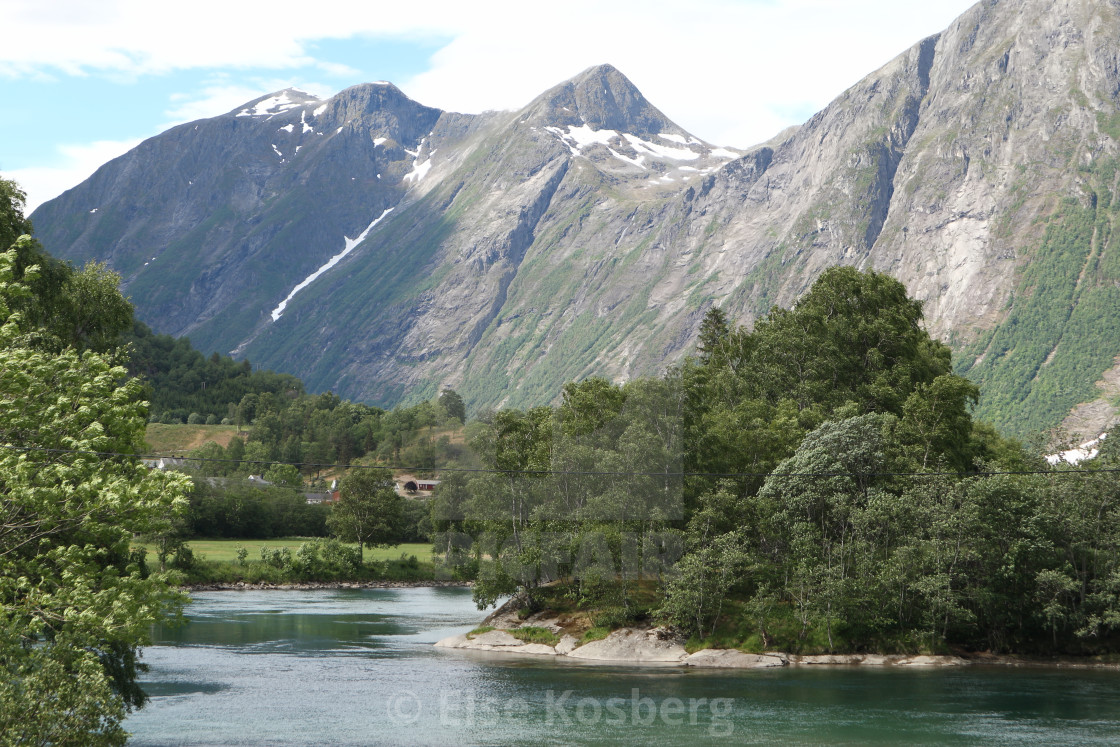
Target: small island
point(813, 490)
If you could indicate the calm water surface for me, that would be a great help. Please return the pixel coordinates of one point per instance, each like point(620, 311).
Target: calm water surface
point(358, 667)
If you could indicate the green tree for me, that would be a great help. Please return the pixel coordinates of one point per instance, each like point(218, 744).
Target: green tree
point(368, 510)
point(285, 475)
point(714, 333)
point(936, 420)
point(453, 405)
point(13, 223)
point(504, 504)
point(65, 307)
point(694, 596)
point(75, 603)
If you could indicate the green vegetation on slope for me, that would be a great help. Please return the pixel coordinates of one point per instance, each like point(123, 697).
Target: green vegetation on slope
point(1062, 331)
point(186, 386)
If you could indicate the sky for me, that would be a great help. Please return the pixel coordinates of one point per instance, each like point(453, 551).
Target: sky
point(82, 82)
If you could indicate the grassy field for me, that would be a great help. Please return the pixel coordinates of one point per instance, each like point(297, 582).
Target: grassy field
point(225, 550)
point(179, 439)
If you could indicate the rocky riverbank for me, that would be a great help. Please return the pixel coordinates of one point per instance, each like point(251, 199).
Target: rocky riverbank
point(660, 646)
point(664, 647)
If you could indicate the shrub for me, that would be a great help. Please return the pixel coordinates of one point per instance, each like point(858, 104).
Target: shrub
point(531, 634)
point(326, 560)
point(595, 634)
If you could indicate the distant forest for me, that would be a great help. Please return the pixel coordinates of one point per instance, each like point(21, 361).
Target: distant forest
point(186, 386)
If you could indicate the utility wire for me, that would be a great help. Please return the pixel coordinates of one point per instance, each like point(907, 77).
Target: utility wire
point(587, 473)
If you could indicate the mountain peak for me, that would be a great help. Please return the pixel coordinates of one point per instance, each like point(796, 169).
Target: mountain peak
point(602, 98)
point(604, 73)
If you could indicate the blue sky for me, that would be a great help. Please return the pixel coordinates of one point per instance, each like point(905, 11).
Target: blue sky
point(83, 82)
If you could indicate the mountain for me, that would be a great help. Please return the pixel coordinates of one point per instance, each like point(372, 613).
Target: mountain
point(384, 249)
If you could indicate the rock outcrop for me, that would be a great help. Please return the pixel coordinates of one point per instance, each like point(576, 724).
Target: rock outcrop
point(497, 640)
point(660, 646)
point(637, 646)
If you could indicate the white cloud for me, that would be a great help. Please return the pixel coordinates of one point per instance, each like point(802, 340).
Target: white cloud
point(731, 72)
point(144, 37)
point(74, 163)
point(728, 69)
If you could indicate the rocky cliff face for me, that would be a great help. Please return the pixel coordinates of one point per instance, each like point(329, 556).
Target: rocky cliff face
point(588, 234)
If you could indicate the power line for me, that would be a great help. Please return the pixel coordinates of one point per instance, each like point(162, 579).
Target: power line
point(584, 473)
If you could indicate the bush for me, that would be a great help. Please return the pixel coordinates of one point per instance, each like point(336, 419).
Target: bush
point(183, 559)
point(195, 419)
point(326, 560)
point(280, 559)
point(595, 634)
point(611, 618)
point(531, 634)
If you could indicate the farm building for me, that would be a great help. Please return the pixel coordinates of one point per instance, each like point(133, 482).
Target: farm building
point(415, 485)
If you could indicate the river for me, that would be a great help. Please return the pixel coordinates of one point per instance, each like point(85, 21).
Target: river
point(356, 667)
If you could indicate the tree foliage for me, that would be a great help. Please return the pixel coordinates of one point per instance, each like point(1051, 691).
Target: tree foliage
point(822, 468)
point(453, 405)
point(368, 510)
point(183, 381)
point(75, 602)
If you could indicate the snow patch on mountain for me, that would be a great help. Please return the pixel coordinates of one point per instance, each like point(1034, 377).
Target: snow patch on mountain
point(639, 161)
point(661, 151)
point(584, 136)
point(349, 247)
point(580, 138)
point(270, 106)
point(672, 137)
point(419, 169)
point(1087, 450)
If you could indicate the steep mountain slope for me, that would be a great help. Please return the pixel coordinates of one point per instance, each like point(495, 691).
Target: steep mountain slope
point(504, 253)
